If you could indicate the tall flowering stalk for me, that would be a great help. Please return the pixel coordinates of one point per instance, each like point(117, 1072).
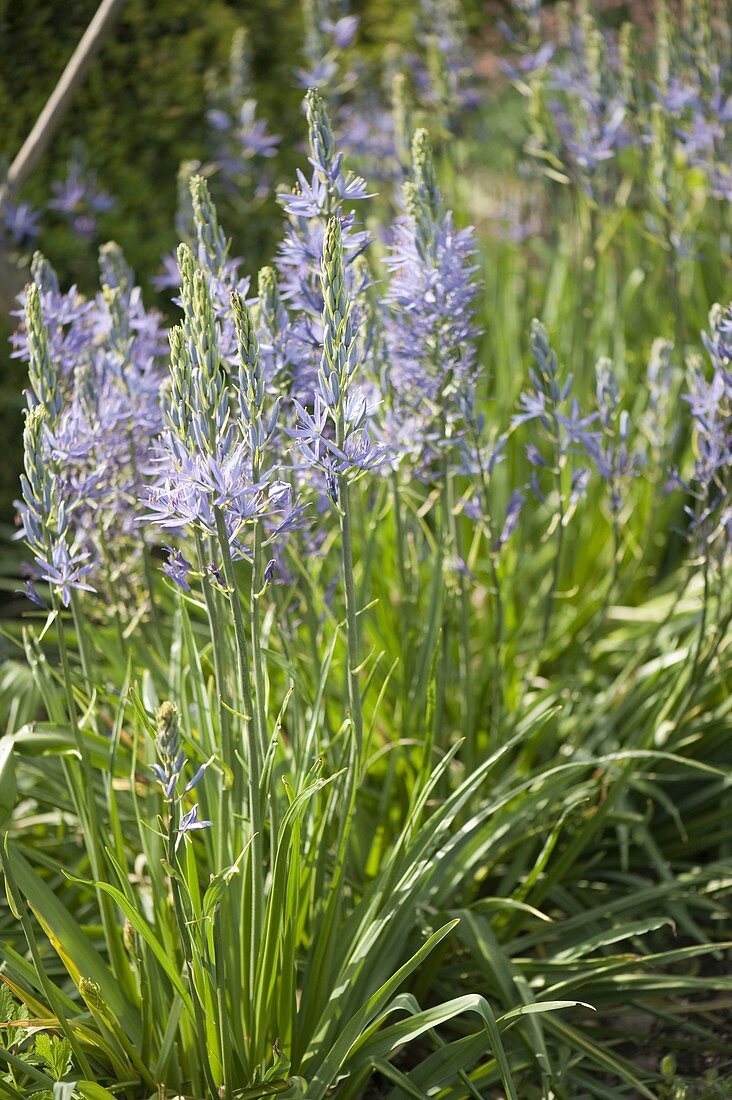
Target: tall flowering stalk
point(218, 481)
point(710, 511)
point(446, 84)
point(241, 140)
point(205, 487)
point(430, 339)
point(431, 329)
point(44, 514)
point(101, 361)
point(613, 454)
point(563, 430)
point(259, 431)
point(273, 328)
point(337, 369)
point(335, 383)
point(327, 193)
point(176, 829)
point(46, 526)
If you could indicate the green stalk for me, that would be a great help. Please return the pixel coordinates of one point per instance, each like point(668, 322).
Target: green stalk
point(185, 944)
point(240, 637)
point(557, 563)
point(258, 667)
point(404, 606)
point(497, 685)
point(353, 651)
point(86, 807)
point(442, 535)
point(84, 655)
point(220, 974)
point(227, 749)
point(703, 618)
point(497, 692)
point(257, 662)
point(254, 766)
point(353, 643)
point(399, 532)
point(466, 695)
point(146, 560)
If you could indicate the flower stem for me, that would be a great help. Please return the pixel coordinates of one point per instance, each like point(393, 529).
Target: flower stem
point(354, 647)
point(254, 768)
point(227, 750)
point(86, 809)
point(184, 938)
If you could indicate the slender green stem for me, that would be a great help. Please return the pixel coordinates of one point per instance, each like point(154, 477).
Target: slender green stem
point(399, 534)
point(497, 687)
point(254, 771)
point(146, 561)
point(557, 563)
point(257, 662)
point(258, 665)
point(354, 646)
point(229, 763)
point(185, 944)
point(88, 805)
point(220, 972)
point(83, 643)
point(240, 638)
point(404, 606)
point(466, 694)
point(498, 619)
point(701, 637)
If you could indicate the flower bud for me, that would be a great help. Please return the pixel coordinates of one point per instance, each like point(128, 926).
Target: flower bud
point(92, 994)
point(129, 937)
point(167, 720)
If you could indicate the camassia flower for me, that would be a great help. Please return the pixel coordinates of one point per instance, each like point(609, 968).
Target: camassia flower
point(563, 432)
point(169, 767)
point(95, 372)
point(334, 437)
point(67, 316)
point(314, 200)
point(430, 326)
point(206, 467)
point(616, 460)
point(19, 222)
point(79, 199)
point(710, 400)
point(242, 141)
point(58, 557)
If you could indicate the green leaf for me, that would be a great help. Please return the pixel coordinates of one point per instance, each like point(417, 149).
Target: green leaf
point(540, 1006)
point(144, 929)
point(23, 1067)
point(260, 1092)
point(55, 1052)
point(352, 1031)
point(90, 1091)
point(67, 1090)
point(8, 786)
point(70, 942)
point(389, 1039)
